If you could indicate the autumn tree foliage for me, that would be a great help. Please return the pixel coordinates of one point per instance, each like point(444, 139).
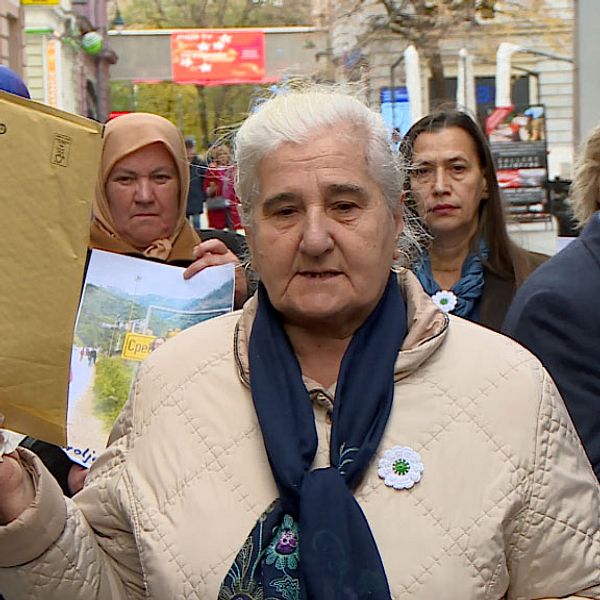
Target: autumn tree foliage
point(426, 23)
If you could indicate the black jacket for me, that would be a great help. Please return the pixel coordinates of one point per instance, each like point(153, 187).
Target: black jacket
point(498, 294)
point(556, 315)
point(196, 195)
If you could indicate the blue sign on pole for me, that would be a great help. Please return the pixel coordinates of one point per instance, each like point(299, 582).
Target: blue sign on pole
point(395, 108)
point(397, 94)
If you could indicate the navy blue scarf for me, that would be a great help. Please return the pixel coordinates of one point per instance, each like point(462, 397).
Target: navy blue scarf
point(314, 542)
point(467, 290)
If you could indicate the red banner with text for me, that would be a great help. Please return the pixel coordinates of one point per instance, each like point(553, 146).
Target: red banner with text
point(218, 56)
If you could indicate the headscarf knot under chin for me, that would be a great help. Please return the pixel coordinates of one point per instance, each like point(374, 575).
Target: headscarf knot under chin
point(159, 249)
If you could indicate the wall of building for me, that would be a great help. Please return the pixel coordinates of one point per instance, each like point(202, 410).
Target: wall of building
point(551, 81)
point(11, 35)
point(53, 65)
point(587, 86)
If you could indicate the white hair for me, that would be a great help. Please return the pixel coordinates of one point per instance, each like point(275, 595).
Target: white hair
point(294, 117)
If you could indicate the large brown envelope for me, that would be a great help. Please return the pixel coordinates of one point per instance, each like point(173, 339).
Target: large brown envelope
point(48, 168)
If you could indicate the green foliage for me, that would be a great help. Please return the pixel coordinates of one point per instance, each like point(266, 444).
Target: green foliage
point(162, 322)
point(207, 113)
point(100, 307)
point(221, 296)
point(168, 14)
point(111, 387)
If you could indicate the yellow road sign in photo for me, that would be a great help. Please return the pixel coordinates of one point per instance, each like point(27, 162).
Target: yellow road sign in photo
point(137, 346)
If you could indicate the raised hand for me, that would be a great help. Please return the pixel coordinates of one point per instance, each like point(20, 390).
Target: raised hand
point(16, 487)
point(214, 252)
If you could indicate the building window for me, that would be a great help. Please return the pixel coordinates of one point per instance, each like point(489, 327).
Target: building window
point(485, 92)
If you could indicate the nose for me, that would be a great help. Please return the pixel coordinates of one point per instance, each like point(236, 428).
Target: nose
point(143, 189)
point(440, 184)
point(316, 235)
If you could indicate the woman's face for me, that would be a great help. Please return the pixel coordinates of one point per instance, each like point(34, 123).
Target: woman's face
point(143, 195)
point(322, 235)
point(448, 182)
point(223, 156)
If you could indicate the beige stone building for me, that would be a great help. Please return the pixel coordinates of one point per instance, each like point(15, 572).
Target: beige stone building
point(11, 35)
point(52, 55)
point(59, 72)
point(361, 47)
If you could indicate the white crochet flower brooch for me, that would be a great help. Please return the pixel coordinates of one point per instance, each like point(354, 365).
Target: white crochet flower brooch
point(445, 300)
point(400, 467)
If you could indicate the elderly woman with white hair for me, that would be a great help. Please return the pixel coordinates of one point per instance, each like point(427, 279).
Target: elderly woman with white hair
point(555, 314)
point(340, 437)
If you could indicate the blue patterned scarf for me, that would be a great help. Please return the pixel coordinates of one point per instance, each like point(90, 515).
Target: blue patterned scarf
point(314, 542)
point(467, 290)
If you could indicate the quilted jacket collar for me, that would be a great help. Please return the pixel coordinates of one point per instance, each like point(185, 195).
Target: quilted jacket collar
point(427, 327)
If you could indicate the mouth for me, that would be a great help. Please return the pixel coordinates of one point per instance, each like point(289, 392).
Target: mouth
point(443, 208)
point(145, 215)
point(322, 275)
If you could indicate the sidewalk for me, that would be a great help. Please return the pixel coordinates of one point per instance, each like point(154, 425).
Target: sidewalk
point(537, 237)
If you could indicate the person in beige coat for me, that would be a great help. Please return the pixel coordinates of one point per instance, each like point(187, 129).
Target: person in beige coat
point(340, 437)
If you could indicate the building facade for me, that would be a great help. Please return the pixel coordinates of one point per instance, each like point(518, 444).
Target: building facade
point(60, 72)
point(12, 43)
point(52, 55)
point(362, 47)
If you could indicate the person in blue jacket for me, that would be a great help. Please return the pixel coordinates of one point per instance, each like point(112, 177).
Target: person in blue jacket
point(12, 83)
point(556, 313)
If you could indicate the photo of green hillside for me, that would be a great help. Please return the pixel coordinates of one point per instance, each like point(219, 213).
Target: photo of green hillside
point(129, 307)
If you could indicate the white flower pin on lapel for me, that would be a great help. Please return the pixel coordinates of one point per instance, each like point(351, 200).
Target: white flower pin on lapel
point(446, 300)
point(400, 467)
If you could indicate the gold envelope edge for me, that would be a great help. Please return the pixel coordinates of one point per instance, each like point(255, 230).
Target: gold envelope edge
point(93, 126)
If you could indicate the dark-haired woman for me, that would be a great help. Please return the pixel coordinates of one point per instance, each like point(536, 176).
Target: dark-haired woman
point(472, 268)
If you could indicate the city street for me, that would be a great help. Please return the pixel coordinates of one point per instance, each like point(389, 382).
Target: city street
point(537, 237)
point(85, 430)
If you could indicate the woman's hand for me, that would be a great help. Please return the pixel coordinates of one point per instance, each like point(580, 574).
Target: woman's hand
point(16, 487)
point(212, 253)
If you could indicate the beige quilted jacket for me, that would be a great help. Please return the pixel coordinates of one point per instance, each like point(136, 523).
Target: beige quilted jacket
point(507, 506)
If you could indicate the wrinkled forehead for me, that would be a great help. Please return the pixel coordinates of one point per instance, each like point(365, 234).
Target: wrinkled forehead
point(338, 151)
point(324, 139)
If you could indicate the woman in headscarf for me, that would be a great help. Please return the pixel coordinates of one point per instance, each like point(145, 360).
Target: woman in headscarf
point(141, 197)
point(139, 207)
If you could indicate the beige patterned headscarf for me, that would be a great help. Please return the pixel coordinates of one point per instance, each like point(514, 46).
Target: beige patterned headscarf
point(122, 136)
